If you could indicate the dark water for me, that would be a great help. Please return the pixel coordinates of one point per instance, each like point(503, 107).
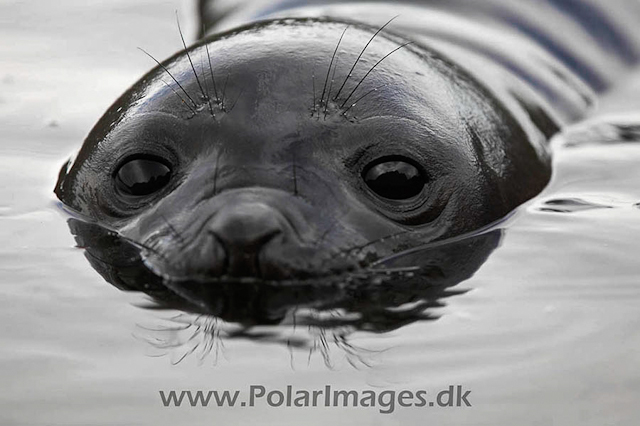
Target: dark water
point(547, 333)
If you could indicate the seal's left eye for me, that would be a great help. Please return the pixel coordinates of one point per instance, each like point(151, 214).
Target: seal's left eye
point(394, 179)
point(142, 176)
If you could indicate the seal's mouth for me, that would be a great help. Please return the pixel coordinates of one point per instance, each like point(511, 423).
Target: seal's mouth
point(311, 289)
point(340, 272)
point(382, 296)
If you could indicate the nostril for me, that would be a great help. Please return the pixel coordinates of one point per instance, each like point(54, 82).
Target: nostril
point(243, 230)
point(247, 227)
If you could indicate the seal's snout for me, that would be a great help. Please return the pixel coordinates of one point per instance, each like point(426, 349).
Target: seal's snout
point(244, 230)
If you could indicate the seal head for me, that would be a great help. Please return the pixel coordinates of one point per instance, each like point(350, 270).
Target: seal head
point(291, 150)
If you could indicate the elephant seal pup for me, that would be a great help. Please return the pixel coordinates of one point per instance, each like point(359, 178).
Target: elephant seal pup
point(302, 149)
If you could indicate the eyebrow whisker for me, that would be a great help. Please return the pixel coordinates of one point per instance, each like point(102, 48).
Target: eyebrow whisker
point(360, 56)
point(215, 88)
point(361, 98)
point(370, 70)
point(326, 105)
point(326, 81)
point(236, 101)
point(189, 57)
point(195, 105)
point(181, 98)
point(224, 92)
point(206, 88)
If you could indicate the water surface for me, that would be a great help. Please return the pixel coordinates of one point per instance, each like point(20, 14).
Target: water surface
point(547, 333)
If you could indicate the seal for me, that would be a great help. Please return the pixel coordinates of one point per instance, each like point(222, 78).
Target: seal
point(313, 148)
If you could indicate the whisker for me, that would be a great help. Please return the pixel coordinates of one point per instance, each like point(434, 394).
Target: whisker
point(236, 101)
point(140, 245)
point(193, 111)
point(363, 246)
point(379, 240)
point(185, 355)
point(206, 88)
point(167, 329)
point(333, 76)
point(224, 91)
point(215, 88)
point(173, 230)
point(326, 80)
point(369, 72)
point(170, 75)
point(360, 56)
point(189, 57)
point(361, 98)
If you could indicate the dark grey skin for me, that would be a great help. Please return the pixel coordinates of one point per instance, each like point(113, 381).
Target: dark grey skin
point(268, 139)
point(270, 190)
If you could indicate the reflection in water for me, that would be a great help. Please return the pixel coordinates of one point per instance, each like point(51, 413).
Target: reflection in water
point(571, 205)
point(204, 336)
point(394, 292)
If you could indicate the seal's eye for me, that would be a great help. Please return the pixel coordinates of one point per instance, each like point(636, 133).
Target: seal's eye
point(394, 178)
point(142, 176)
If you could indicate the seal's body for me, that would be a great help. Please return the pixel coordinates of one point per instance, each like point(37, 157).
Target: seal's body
point(564, 50)
point(319, 141)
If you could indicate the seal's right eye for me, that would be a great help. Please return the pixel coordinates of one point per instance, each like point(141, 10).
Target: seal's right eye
point(142, 176)
point(394, 178)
